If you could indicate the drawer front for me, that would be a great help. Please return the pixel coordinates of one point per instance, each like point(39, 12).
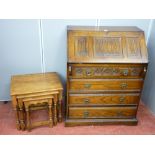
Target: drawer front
point(103, 99)
point(106, 71)
point(102, 112)
point(101, 85)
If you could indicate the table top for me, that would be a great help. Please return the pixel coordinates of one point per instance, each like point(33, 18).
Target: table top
point(35, 83)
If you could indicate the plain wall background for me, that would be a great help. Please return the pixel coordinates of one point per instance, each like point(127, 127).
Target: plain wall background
point(32, 46)
point(148, 94)
point(19, 51)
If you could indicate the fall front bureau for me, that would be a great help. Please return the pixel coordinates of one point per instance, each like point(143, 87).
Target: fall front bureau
point(105, 74)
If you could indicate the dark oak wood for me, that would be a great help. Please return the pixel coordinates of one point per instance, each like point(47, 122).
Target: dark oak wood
point(87, 45)
point(103, 99)
point(105, 121)
point(105, 74)
point(106, 71)
point(106, 84)
point(102, 112)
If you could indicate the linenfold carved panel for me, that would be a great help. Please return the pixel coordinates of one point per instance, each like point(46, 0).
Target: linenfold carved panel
point(81, 46)
point(133, 47)
point(107, 47)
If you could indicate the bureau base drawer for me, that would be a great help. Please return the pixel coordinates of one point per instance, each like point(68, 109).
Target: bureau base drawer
point(82, 122)
point(102, 112)
point(103, 99)
point(79, 85)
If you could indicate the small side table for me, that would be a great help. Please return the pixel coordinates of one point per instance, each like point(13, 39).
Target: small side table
point(35, 87)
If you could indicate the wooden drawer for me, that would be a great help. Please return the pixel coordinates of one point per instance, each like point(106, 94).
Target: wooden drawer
point(105, 84)
point(102, 112)
point(106, 71)
point(103, 99)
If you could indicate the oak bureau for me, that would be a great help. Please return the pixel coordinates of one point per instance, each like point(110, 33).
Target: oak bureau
point(105, 74)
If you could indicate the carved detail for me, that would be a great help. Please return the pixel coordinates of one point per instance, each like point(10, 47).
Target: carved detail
point(79, 71)
point(88, 71)
point(108, 71)
point(81, 46)
point(107, 46)
point(133, 47)
point(135, 71)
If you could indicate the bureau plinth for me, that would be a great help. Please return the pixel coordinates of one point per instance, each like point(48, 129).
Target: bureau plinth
point(105, 74)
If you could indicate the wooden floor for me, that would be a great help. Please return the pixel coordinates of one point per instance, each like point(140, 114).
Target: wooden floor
point(146, 125)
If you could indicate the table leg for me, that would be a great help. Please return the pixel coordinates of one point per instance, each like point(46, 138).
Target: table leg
point(60, 107)
point(28, 119)
point(21, 108)
point(55, 110)
point(60, 110)
point(17, 117)
point(50, 113)
point(16, 109)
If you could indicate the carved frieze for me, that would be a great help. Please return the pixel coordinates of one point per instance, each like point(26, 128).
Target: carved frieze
point(108, 71)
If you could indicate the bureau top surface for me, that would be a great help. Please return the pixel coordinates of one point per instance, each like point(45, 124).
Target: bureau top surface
point(104, 28)
point(34, 83)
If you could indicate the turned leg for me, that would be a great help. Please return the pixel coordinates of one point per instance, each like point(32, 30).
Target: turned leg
point(50, 114)
point(60, 107)
point(60, 110)
point(21, 114)
point(28, 119)
point(17, 118)
point(16, 109)
point(55, 110)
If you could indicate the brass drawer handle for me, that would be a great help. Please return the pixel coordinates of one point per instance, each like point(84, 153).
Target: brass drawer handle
point(85, 114)
point(88, 73)
point(119, 113)
point(86, 101)
point(78, 70)
point(123, 85)
point(122, 99)
point(87, 85)
point(125, 72)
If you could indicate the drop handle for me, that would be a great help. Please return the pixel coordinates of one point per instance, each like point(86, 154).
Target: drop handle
point(122, 99)
point(88, 72)
point(123, 85)
point(119, 113)
point(86, 101)
point(125, 72)
point(87, 85)
point(85, 114)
